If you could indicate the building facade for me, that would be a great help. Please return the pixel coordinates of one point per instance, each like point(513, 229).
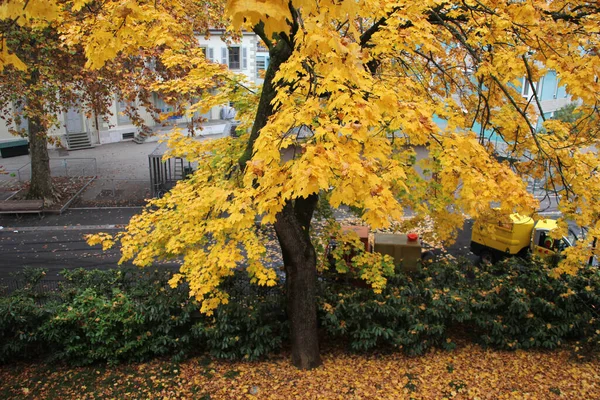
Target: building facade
point(247, 57)
point(76, 130)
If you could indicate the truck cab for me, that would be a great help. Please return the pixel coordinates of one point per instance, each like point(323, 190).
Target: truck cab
point(543, 245)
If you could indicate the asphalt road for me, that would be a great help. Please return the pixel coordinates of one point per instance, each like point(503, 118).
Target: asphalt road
point(57, 242)
point(54, 249)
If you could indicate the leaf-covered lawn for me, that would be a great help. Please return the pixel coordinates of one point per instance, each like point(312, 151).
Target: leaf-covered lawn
point(469, 372)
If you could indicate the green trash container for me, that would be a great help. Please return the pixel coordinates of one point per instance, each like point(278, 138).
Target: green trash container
point(405, 252)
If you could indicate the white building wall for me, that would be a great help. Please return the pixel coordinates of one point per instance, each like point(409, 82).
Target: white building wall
point(56, 133)
point(113, 130)
point(118, 127)
point(4, 133)
point(218, 51)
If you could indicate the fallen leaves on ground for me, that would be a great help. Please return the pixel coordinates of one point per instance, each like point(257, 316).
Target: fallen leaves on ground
point(469, 372)
point(66, 188)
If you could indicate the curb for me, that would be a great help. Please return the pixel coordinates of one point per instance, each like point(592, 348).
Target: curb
point(550, 213)
point(106, 208)
point(68, 203)
point(17, 229)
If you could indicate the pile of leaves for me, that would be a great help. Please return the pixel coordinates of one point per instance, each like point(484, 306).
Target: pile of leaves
point(66, 188)
point(470, 372)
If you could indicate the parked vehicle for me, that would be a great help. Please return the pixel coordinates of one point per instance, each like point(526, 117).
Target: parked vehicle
point(517, 236)
point(406, 249)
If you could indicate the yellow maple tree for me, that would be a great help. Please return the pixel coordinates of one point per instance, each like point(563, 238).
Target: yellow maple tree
point(354, 87)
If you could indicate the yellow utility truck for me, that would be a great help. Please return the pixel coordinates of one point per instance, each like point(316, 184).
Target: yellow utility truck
point(516, 236)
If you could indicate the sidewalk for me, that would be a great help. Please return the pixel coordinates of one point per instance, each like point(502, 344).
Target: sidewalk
point(120, 160)
point(121, 169)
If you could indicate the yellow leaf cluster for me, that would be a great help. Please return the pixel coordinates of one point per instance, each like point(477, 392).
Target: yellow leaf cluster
point(30, 12)
point(275, 14)
point(381, 105)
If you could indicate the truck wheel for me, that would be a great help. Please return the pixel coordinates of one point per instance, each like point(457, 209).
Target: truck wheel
point(486, 257)
point(427, 257)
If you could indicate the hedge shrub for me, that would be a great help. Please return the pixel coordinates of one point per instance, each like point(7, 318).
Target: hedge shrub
point(515, 304)
point(241, 331)
point(125, 315)
point(130, 315)
point(21, 316)
point(412, 313)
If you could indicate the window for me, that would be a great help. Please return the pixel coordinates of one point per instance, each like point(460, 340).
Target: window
point(262, 63)
point(122, 118)
point(539, 87)
point(234, 58)
point(527, 90)
point(208, 52)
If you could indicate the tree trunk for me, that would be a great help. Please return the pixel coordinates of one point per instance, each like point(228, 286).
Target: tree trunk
point(279, 54)
point(292, 228)
point(41, 181)
point(299, 257)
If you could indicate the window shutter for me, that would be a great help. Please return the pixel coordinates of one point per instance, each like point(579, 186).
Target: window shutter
point(211, 54)
point(526, 86)
point(539, 87)
point(244, 57)
point(224, 59)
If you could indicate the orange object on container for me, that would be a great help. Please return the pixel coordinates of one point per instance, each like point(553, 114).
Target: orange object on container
point(361, 231)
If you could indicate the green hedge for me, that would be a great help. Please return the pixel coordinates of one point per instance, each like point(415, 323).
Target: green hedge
point(512, 305)
point(130, 315)
point(114, 316)
point(244, 331)
point(514, 309)
point(412, 313)
point(21, 316)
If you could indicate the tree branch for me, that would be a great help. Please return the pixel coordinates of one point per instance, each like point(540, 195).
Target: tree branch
point(259, 29)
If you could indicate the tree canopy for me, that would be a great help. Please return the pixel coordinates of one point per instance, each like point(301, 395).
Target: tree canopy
point(352, 88)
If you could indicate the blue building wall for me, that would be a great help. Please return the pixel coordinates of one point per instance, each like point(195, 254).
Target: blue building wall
point(552, 96)
point(549, 83)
